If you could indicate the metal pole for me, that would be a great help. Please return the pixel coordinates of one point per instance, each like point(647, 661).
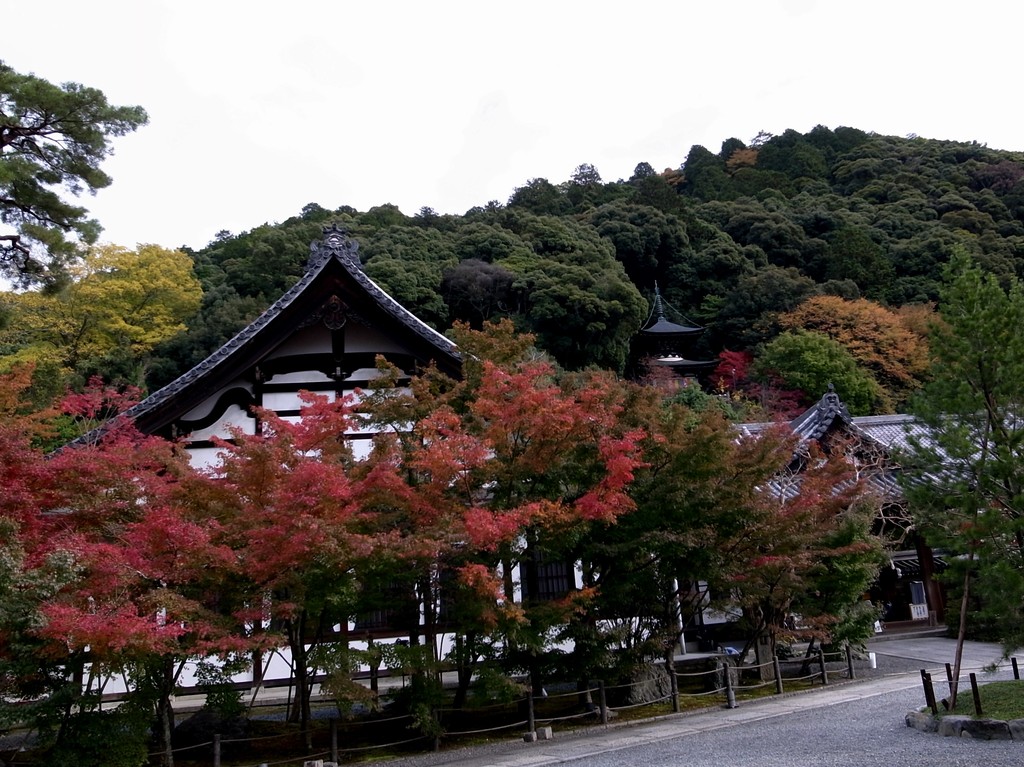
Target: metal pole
point(673, 682)
point(436, 716)
point(730, 694)
point(216, 751)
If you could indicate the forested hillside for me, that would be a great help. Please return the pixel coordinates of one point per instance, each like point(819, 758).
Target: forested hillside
point(815, 255)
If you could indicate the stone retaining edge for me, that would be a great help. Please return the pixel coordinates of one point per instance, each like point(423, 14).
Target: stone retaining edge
point(966, 726)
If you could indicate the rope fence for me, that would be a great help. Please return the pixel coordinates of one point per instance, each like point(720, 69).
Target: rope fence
point(360, 749)
point(715, 691)
point(571, 694)
point(566, 718)
point(741, 687)
point(696, 673)
point(639, 705)
point(464, 710)
point(179, 750)
point(487, 729)
point(261, 738)
point(815, 675)
point(723, 679)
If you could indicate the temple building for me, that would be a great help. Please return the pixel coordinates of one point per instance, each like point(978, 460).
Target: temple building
point(663, 344)
point(321, 336)
point(906, 589)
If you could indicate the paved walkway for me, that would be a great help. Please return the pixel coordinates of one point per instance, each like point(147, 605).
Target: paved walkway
point(910, 655)
point(939, 651)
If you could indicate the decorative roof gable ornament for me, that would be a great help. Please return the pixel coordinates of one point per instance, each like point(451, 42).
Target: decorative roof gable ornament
point(816, 422)
point(335, 243)
point(830, 404)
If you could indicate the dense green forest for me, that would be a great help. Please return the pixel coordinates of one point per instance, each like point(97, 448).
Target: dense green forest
point(747, 242)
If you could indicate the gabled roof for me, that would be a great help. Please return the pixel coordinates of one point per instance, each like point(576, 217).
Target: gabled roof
point(826, 416)
point(889, 432)
point(817, 421)
point(332, 271)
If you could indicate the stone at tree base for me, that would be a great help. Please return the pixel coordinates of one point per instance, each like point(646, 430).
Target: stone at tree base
point(966, 726)
point(985, 729)
point(923, 721)
point(950, 726)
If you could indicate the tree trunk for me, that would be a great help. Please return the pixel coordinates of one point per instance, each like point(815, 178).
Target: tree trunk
point(165, 719)
point(165, 679)
point(465, 660)
point(300, 712)
point(961, 633)
point(77, 662)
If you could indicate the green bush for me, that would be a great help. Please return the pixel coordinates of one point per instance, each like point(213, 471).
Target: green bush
point(118, 738)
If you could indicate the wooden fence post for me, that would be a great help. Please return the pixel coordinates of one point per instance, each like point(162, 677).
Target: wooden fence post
point(824, 671)
point(777, 668)
point(929, 691)
point(602, 701)
point(976, 693)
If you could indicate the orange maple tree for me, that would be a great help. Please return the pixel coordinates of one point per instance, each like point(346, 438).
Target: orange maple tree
point(886, 343)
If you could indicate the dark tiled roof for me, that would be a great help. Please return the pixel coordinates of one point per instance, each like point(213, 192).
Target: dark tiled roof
point(816, 421)
point(335, 249)
point(665, 327)
point(336, 245)
point(890, 432)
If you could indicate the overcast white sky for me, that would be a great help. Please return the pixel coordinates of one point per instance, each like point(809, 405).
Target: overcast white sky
point(257, 108)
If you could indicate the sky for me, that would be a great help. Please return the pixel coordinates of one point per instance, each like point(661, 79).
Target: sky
point(258, 108)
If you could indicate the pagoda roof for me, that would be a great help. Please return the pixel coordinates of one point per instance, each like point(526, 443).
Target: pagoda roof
point(662, 327)
point(332, 270)
point(681, 363)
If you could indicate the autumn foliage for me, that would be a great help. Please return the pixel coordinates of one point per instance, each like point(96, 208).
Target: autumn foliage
point(120, 558)
point(888, 344)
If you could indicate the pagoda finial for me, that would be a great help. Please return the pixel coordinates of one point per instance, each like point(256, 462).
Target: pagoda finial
point(659, 310)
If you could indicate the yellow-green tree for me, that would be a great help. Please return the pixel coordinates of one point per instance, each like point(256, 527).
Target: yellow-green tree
point(117, 306)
